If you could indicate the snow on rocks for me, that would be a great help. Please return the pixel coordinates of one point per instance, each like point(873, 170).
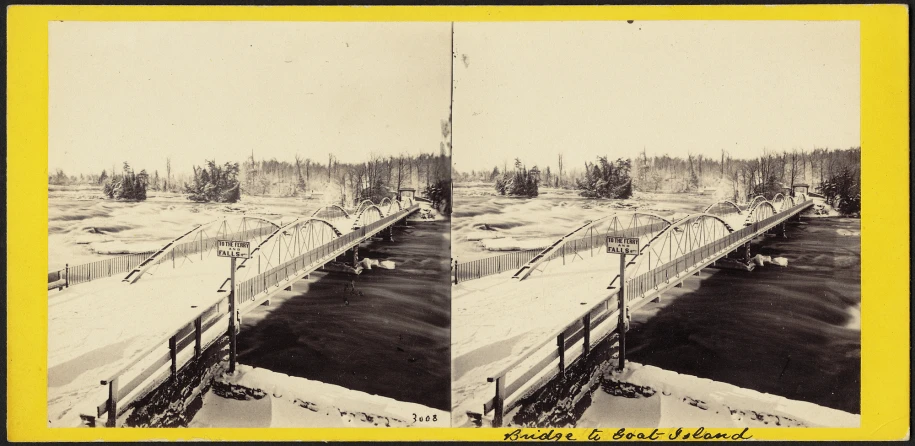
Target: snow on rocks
point(368, 263)
point(354, 408)
point(746, 407)
point(761, 260)
point(780, 261)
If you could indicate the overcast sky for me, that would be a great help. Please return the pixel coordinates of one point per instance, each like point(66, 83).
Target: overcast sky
point(144, 91)
point(532, 90)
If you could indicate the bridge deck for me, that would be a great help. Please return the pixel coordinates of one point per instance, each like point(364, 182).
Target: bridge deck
point(97, 328)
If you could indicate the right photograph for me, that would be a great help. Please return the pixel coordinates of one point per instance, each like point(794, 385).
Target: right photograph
point(656, 224)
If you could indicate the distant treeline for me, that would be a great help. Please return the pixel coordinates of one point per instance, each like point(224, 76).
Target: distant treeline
point(343, 183)
point(823, 170)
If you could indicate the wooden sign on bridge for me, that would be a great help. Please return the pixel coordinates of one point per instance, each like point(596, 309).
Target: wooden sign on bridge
point(622, 245)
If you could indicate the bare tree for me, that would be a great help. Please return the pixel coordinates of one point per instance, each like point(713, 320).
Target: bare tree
point(559, 180)
point(168, 173)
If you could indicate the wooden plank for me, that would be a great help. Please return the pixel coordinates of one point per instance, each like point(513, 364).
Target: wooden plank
point(164, 359)
point(571, 340)
point(531, 373)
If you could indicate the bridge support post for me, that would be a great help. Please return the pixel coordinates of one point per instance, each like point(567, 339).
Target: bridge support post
point(657, 299)
point(784, 230)
point(233, 309)
point(112, 403)
point(586, 321)
point(622, 326)
point(747, 254)
point(355, 255)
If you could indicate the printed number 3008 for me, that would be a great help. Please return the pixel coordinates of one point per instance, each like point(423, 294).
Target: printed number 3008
point(425, 418)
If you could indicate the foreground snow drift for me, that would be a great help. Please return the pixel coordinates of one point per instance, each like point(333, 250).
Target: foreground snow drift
point(299, 402)
point(690, 401)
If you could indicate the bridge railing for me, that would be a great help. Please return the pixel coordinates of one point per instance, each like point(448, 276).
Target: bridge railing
point(182, 345)
point(251, 288)
point(539, 364)
point(100, 269)
point(163, 361)
point(479, 268)
point(203, 245)
point(593, 243)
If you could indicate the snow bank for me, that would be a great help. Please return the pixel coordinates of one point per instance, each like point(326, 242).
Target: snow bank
point(316, 396)
point(780, 261)
point(477, 236)
point(510, 244)
point(368, 263)
point(761, 260)
point(117, 247)
point(705, 392)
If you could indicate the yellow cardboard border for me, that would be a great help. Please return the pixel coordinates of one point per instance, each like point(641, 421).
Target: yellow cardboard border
point(885, 223)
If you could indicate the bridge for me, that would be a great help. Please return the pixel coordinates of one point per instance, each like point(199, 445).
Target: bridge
point(566, 297)
point(114, 340)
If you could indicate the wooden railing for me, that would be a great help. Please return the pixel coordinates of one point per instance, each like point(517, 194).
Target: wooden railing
point(148, 370)
point(592, 326)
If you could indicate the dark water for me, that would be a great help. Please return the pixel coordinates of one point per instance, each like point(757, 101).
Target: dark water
point(393, 340)
point(777, 330)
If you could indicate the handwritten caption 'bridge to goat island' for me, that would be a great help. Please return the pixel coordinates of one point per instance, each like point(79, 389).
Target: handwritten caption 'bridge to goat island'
point(622, 434)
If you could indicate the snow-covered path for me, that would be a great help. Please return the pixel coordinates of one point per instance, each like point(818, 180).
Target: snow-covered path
point(497, 319)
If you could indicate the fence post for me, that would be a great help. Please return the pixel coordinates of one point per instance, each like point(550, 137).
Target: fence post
point(499, 402)
point(173, 351)
point(198, 344)
point(586, 321)
point(455, 272)
point(561, 344)
point(112, 403)
point(68, 275)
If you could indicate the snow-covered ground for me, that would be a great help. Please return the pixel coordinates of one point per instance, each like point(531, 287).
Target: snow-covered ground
point(496, 319)
point(688, 401)
point(299, 402)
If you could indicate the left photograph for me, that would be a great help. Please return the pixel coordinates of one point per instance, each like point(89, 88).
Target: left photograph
point(249, 224)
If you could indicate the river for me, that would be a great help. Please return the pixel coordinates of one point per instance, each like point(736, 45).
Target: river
point(392, 339)
point(792, 332)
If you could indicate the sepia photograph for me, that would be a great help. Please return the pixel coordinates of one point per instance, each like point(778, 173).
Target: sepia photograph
point(657, 224)
point(445, 223)
point(249, 224)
